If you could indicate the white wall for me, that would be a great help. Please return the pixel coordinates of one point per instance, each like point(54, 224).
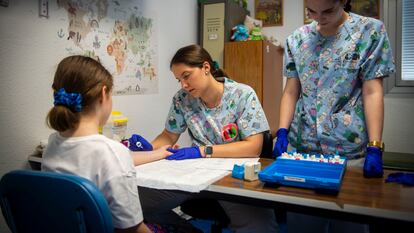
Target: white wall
point(28, 61)
point(29, 58)
point(398, 123)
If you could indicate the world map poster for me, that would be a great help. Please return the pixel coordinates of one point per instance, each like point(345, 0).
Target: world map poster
point(120, 34)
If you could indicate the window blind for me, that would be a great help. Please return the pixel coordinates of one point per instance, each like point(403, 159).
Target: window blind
point(407, 46)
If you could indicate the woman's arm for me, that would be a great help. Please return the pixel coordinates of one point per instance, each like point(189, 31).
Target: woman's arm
point(373, 97)
point(288, 103)
point(165, 138)
point(249, 147)
point(142, 157)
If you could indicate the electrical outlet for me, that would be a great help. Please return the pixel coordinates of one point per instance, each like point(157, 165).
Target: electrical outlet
point(44, 8)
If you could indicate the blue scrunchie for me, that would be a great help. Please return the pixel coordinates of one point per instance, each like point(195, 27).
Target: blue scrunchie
point(70, 100)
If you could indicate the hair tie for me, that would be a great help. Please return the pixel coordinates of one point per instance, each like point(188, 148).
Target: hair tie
point(71, 100)
point(216, 65)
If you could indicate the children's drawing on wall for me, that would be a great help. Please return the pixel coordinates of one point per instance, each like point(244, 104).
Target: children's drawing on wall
point(117, 33)
point(270, 12)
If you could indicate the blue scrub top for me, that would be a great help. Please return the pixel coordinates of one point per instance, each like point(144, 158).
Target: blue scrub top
point(238, 116)
point(329, 116)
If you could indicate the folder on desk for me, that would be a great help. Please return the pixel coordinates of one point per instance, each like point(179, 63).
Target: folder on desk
point(322, 174)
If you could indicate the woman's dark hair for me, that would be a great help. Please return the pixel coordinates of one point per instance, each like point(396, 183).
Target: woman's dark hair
point(347, 6)
point(195, 56)
point(82, 75)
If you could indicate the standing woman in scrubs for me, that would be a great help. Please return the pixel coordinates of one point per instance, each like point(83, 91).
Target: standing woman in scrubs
point(333, 99)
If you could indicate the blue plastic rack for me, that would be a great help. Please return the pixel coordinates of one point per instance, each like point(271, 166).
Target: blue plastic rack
point(322, 173)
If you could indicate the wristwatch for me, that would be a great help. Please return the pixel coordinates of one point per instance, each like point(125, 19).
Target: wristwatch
point(378, 144)
point(208, 151)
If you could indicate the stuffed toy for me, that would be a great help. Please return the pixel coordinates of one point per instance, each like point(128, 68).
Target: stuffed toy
point(240, 33)
point(250, 23)
point(256, 34)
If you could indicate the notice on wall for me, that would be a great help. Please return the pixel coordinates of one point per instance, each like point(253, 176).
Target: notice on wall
point(118, 33)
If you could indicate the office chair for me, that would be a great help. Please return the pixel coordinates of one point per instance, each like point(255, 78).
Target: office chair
point(210, 209)
point(34, 201)
point(267, 148)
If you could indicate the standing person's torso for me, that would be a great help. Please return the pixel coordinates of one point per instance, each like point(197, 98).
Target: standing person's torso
point(329, 116)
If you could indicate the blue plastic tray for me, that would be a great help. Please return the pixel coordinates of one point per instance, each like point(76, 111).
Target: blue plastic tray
point(321, 176)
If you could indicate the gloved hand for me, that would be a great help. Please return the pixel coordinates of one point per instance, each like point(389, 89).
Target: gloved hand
point(138, 143)
point(373, 162)
point(401, 178)
point(185, 153)
point(281, 142)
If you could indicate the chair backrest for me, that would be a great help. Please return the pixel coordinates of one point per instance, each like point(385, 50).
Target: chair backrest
point(34, 201)
point(267, 147)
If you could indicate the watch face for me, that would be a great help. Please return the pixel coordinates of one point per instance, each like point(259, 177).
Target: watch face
point(208, 150)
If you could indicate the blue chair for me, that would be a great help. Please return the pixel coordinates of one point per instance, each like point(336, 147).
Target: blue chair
point(34, 201)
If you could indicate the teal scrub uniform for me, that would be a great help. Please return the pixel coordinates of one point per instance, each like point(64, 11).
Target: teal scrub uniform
point(329, 115)
point(239, 115)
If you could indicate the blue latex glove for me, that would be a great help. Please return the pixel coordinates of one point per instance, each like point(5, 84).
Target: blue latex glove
point(402, 178)
point(373, 163)
point(138, 143)
point(184, 153)
point(281, 142)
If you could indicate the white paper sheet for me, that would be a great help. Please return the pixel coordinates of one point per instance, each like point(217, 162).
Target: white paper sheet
point(223, 164)
point(191, 175)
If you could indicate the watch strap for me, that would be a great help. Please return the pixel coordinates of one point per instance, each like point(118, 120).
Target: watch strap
point(378, 144)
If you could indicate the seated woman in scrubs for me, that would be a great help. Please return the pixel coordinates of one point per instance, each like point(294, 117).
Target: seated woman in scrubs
point(217, 111)
point(224, 119)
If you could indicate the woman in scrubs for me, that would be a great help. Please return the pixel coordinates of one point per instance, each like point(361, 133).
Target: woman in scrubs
point(224, 119)
point(333, 99)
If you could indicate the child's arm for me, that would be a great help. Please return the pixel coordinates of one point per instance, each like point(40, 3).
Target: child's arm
point(142, 157)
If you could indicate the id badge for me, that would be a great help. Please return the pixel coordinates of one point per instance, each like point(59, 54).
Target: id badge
point(229, 132)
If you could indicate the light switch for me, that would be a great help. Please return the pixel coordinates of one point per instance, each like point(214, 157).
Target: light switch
point(44, 8)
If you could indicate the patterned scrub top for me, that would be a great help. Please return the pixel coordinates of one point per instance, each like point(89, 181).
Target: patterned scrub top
point(238, 116)
point(329, 116)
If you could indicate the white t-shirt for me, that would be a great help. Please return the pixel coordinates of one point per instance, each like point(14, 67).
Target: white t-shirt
point(106, 163)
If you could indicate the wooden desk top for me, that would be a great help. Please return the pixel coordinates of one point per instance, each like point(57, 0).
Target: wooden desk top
point(358, 195)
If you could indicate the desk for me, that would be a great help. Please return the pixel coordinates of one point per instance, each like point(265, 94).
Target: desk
point(359, 199)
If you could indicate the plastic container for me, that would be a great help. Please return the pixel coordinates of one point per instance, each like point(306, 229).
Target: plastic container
point(116, 126)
